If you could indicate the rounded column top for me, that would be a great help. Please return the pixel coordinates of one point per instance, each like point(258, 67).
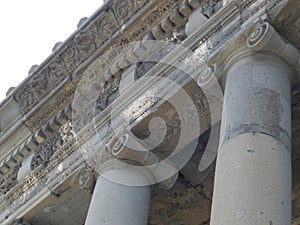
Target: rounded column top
point(126, 172)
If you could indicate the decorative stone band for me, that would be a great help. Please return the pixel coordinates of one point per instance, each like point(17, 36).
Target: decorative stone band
point(98, 34)
point(44, 119)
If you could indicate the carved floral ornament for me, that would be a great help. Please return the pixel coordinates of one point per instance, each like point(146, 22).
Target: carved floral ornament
point(84, 43)
point(89, 39)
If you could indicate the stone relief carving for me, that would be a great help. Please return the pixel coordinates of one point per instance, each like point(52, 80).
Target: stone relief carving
point(40, 173)
point(41, 117)
point(107, 25)
point(81, 47)
point(93, 108)
point(26, 99)
point(57, 69)
point(46, 150)
point(8, 180)
point(123, 10)
point(102, 100)
point(87, 41)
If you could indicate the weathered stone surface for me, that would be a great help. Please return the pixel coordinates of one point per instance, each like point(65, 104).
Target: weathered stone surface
point(180, 205)
point(288, 21)
point(189, 201)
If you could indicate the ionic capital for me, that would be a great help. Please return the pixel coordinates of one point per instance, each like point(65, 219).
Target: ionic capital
point(128, 149)
point(265, 38)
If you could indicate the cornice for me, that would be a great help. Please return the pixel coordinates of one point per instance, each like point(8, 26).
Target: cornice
point(115, 24)
point(95, 34)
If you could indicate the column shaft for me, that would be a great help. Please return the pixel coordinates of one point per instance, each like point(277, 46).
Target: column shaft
point(253, 171)
point(117, 204)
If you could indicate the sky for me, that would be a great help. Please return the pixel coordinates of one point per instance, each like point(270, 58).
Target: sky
point(29, 30)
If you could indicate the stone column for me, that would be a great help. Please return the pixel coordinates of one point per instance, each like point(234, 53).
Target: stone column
point(117, 200)
point(253, 170)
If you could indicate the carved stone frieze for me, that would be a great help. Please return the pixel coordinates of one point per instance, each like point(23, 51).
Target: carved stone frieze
point(107, 25)
point(102, 100)
point(123, 10)
point(46, 150)
point(39, 118)
point(41, 83)
point(84, 117)
point(83, 44)
point(39, 174)
point(166, 6)
point(57, 69)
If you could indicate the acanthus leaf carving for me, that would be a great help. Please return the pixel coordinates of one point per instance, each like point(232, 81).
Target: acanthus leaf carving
point(58, 69)
point(123, 10)
point(26, 99)
point(37, 86)
point(82, 46)
point(69, 58)
point(107, 25)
